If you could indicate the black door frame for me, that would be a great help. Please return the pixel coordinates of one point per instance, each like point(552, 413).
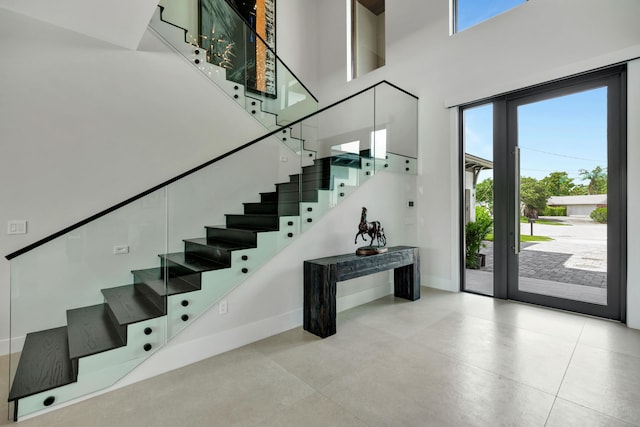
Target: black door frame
point(505, 136)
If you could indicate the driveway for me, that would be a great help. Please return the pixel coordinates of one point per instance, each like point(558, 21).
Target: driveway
point(577, 254)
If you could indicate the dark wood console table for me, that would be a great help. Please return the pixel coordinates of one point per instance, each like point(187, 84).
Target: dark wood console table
point(321, 275)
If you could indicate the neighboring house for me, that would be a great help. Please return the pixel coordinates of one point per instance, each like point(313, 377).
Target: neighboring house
point(579, 205)
point(473, 165)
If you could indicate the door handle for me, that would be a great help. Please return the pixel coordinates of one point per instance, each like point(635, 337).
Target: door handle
point(516, 197)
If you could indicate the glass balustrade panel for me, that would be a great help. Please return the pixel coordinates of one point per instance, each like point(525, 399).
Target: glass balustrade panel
point(226, 220)
point(393, 143)
point(341, 139)
point(75, 308)
point(236, 49)
point(180, 250)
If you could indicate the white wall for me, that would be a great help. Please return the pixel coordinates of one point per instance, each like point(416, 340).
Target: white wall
point(183, 13)
point(367, 40)
point(298, 17)
point(533, 43)
point(121, 22)
point(85, 125)
point(633, 200)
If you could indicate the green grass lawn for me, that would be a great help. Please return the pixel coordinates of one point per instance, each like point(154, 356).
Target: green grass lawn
point(524, 238)
point(525, 220)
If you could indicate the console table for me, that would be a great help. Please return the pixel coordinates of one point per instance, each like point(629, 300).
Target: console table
point(321, 275)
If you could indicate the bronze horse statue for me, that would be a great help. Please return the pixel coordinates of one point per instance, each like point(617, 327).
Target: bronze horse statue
point(373, 229)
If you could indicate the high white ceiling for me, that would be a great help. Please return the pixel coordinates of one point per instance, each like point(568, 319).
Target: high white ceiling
point(121, 22)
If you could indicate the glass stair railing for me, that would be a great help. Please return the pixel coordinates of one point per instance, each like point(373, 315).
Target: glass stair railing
point(92, 302)
point(237, 57)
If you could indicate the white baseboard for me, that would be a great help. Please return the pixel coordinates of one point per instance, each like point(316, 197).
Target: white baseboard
point(439, 283)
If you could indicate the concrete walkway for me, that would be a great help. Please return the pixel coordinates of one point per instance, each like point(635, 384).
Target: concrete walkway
point(576, 258)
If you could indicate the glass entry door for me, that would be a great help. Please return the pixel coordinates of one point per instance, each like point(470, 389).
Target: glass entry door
point(564, 208)
point(545, 168)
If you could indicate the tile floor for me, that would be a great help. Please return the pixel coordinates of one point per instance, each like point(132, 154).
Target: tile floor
point(445, 360)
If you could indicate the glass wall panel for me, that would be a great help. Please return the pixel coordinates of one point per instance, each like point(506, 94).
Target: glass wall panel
point(477, 125)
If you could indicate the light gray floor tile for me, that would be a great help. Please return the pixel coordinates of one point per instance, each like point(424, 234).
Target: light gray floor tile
point(556, 323)
point(445, 360)
point(318, 362)
point(568, 414)
point(241, 387)
point(315, 410)
point(612, 336)
point(605, 381)
point(414, 386)
point(395, 316)
point(525, 356)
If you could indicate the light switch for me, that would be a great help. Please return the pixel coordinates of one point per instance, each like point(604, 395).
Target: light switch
point(17, 227)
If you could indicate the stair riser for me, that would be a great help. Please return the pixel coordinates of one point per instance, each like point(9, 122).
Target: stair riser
point(247, 238)
point(157, 300)
point(218, 254)
point(253, 221)
point(287, 187)
point(316, 169)
point(307, 184)
point(175, 270)
point(281, 209)
point(122, 330)
point(305, 196)
point(269, 197)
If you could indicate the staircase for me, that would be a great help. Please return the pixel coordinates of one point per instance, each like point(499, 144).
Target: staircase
point(266, 110)
point(101, 343)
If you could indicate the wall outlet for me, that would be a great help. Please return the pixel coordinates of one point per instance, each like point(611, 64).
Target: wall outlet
point(284, 159)
point(122, 249)
point(222, 307)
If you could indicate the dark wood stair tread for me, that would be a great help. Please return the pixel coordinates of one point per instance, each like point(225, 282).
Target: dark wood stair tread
point(193, 263)
point(91, 331)
point(153, 278)
point(44, 363)
point(130, 306)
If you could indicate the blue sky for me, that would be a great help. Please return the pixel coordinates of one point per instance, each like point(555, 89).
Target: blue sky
point(563, 134)
point(472, 12)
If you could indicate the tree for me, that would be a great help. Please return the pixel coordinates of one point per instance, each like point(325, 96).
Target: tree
point(558, 184)
point(484, 193)
point(597, 180)
point(533, 195)
point(579, 190)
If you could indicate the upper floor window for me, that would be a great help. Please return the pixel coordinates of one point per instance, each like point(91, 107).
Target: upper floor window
point(467, 13)
point(366, 47)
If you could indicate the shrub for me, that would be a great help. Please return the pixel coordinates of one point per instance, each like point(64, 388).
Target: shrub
point(599, 215)
point(555, 211)
point(475, 232)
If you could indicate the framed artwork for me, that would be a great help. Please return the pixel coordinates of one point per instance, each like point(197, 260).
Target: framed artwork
point(240, 35)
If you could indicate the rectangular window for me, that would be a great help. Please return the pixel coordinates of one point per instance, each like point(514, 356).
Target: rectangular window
point(467, 13)
point(366, 37)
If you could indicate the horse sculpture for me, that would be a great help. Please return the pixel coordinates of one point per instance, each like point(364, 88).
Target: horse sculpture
point(373, 229)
